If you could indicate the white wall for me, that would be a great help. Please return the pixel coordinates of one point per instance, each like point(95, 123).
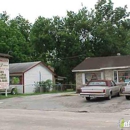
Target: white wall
point(83, 78)
point(19, 88)
point(108, 74)
point(36, 74)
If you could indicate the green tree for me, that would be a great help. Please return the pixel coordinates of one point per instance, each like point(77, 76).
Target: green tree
point(21, 47)
point(15, 38)
point(65, 42)
point(107, 29)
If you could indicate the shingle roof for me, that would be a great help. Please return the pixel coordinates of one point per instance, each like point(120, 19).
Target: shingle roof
point(21, 67)
point(103, 62)
point(4, 55)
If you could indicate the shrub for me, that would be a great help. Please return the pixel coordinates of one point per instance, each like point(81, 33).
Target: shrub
point(43, 86)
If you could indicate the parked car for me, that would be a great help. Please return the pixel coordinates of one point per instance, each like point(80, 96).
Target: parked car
point(11, 90)
point(100, 88)
point(126, 91)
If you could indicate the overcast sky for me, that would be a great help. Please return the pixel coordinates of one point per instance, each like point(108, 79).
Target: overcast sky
point(31, 9)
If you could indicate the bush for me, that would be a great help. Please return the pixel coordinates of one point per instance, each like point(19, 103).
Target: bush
point(43, 86)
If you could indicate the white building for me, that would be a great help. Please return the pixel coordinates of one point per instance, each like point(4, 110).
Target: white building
point(27, 74)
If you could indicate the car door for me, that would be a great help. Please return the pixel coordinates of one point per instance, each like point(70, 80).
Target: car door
point(127, 87)
point(114, 88)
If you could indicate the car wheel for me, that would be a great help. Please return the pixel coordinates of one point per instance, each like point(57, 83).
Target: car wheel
point(13, 92)
point(88, 98)
point(119, 93)
point(127, 97)
point(110, 96)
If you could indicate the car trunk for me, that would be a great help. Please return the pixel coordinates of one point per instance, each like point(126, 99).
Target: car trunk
point(93, 89)
point(127, 89)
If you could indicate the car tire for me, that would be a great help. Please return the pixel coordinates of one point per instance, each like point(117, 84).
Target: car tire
point(13, 92)
point(119, 93)
point(127, 97)
point(88, 98)
point(110, 96)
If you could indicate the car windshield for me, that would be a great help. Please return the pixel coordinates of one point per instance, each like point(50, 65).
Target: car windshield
point(97, 83)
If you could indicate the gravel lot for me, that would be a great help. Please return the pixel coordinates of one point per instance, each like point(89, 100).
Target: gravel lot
point(66, 102)
point(63, 112)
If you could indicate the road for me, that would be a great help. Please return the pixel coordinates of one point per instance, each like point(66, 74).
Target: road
point(17, 119)
point(62, 112)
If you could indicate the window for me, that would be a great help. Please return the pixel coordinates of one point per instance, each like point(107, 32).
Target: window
point(97, 83)
point(112, 83)
point(115, 76)
point(122, 76)
point(92, 76)
point(16, 80)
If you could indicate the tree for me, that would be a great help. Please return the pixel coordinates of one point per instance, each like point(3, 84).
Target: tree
point(42, 38)
point(21, 47)
point(65, 42)
point(15, 38)
point(60, 40)
point(107, 30)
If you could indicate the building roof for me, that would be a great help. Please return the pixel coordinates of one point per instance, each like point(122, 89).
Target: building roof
point(4, 55)
point(23, 67)
point(101, 63)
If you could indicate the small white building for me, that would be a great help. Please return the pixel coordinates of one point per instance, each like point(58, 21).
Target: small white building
point(23, 76)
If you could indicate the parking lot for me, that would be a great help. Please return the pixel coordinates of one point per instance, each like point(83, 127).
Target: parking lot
point(66, 102)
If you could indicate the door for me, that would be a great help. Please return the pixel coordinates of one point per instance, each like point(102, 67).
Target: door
point(114, 88)
point(127, 88)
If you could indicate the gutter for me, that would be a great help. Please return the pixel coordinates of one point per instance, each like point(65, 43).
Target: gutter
point(107, 68)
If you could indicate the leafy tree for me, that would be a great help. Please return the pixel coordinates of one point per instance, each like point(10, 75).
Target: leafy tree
point(107, 29)
point(65, 42)
point(41, 38)
point(20, 44)
point(15, 38)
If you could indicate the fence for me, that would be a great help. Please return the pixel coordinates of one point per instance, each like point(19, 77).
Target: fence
point(55, 88)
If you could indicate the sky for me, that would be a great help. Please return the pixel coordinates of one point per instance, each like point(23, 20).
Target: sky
point(31, 9)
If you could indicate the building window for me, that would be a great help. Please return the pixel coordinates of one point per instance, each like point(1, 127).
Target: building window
point(16, 80)
point(92, 76)
point(122, 76)
point(115, 76)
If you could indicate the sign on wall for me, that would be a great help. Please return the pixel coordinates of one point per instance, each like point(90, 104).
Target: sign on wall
point(4, 73)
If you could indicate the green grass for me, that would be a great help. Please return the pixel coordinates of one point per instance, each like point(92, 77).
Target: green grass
point(2, 96)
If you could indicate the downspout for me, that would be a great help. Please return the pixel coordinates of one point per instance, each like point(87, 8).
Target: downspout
point(23, 84)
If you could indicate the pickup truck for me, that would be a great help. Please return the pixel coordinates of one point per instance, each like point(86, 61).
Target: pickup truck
point(100, 88)
point(11, 90)
point(126, 91)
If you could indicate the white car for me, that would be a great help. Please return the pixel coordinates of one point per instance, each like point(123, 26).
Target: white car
point(126, 91)
point(100, 88)
point(11, 90)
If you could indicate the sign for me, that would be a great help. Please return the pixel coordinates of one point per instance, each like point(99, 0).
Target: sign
point(124, 124)
point(4, 73)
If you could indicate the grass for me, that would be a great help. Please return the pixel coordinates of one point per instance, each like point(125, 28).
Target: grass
point(2, 96)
